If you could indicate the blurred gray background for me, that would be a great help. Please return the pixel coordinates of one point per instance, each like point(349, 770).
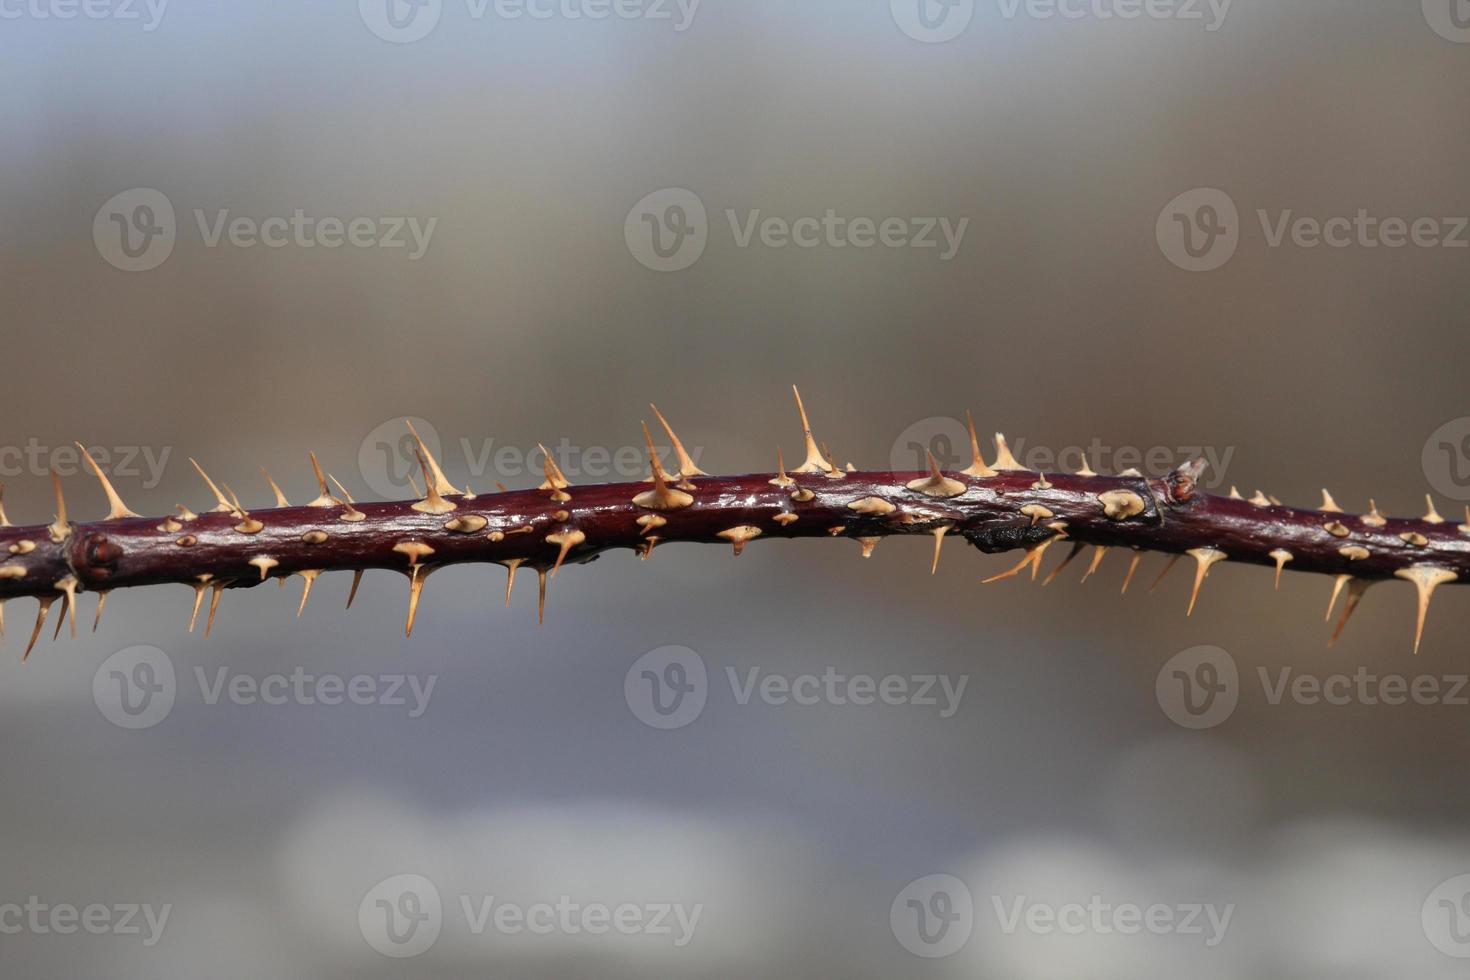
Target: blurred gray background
point(1334, 833)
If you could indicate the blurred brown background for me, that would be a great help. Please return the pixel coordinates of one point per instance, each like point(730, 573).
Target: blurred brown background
point(1334, 832)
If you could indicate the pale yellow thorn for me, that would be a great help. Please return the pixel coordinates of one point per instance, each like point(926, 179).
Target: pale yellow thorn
point(1003, 458)
point(115, 502)
point(1132, 567)
point(936, 484)
point(939, 533)
point(541, 596)
point(351, 513)
point(442, 486)
point(1282, 556)
point(281, 500)
point(1206, 558)
point(5, 521)
point(308, 579)
point(1235, 494)
point(686, 464)
point(217, 589)
point(978, 467)
point(44, 604)
point(1168, 567)
point(1260, 500)
point(1033, 558)
point(1373, 518)
point(1463, 528)
point(567, 540)
point(1099, 552)
point(511, 564)
point(264, 564)
point(662, 496)
point(738, 536)
point(1337, 587)
point(1356, 588)
point(356, 581)
point(1328, 504)
point(417, 575)
point(433, 502)
point(102, 601)
point(199, 588)
point(324, 496)
point(781, 479)
point(60, 529)
point(815, 461)
point(223, 506)
point(1077, 547)
point(556, 481)
point(1426, 580)
point(1432, 517)
point(868, 544)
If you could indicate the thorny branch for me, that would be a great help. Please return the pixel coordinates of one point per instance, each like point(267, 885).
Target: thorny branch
point(996, 507)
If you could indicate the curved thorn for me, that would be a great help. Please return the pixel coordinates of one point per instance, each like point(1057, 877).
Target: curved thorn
point(117, 509)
